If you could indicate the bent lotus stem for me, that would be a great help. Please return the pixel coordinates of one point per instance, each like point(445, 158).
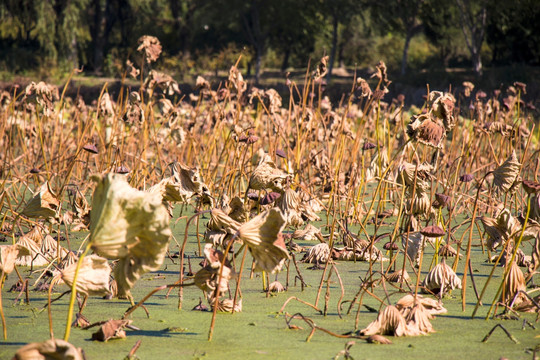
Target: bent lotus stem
point(508, 266)
point(74, 293)
point(182, 250)
point(4, 326)
point(469, 244)
point(216, 293)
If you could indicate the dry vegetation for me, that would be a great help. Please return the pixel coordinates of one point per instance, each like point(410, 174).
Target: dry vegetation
point(264, 172)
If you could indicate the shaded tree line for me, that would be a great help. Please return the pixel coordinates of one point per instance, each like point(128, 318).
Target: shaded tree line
point(98, 33)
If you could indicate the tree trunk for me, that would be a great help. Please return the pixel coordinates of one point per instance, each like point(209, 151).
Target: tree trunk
point(477, 62)
point(335, 23)
point(286, 56)
point(97, 36)
point(258, 62)
point(405, 56)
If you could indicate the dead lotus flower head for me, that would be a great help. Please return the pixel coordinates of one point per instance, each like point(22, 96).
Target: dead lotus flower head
point(466, 178)
point(433, 231)
point(321, 70)
point(129, 225)
point(441, 279)
point(52, 349)
point(93, 277)
point(262, 236)
point(506, 175)
point(44, 204)
point(390, 321)
point(531, 187)
point(150, 46)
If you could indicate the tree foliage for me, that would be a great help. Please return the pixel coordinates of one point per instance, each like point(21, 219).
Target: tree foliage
point(100, 34)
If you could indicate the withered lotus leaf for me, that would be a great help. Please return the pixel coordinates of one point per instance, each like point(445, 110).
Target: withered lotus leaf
point(513, 283)
point(289, 203)
point(8, 256)
point(309, 233)
point(317, 254)
point(44, 204)
point(29, 253)
point(226, 305)
point(414, 245)
point(419, 318)
point(221, 221)
point(398, 276)
point(267, 176)
point(129, 225)
point(426, 130)
point(112, 329)
point(434, 307)
point(441, 278)
point(378, 339)
point(52, 349)
point(442, 106)
point(262, 236)
point(93, 277)
point(182, 185)
point(276, 286)
point(150, 46)
point(206, 278)
point(390, 321)
point(507, 173)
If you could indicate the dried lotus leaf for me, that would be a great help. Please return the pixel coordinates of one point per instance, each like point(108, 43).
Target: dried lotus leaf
point(221, 221)
point(414, 245)
point(276, 286)
point(317, 254)
point(44, 204)
point(398, 276)
point(419, 318)
point(441, 279)
point(267, 176)
point(182, 185)
point(289, 204)
point(8, 256)
point(262, 236)
point(129, 225)
point(434, 307)
point(426, 130)
point(238, 211)
point(226, 305)
point(514, 282)
point(150, 46)
point(93, 276)
point(507, 174)
point(52, 349)
point(112, 329)
point(390, 322)
point(29, 253)
point(309, 233)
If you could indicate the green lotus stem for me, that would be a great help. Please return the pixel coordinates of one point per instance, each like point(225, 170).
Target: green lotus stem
point(74, 293)
point(4, 326)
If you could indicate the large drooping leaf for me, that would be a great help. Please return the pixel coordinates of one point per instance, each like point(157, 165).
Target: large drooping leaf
point(129, 225)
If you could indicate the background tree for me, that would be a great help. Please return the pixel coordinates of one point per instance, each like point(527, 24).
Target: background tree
point(473, 20)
